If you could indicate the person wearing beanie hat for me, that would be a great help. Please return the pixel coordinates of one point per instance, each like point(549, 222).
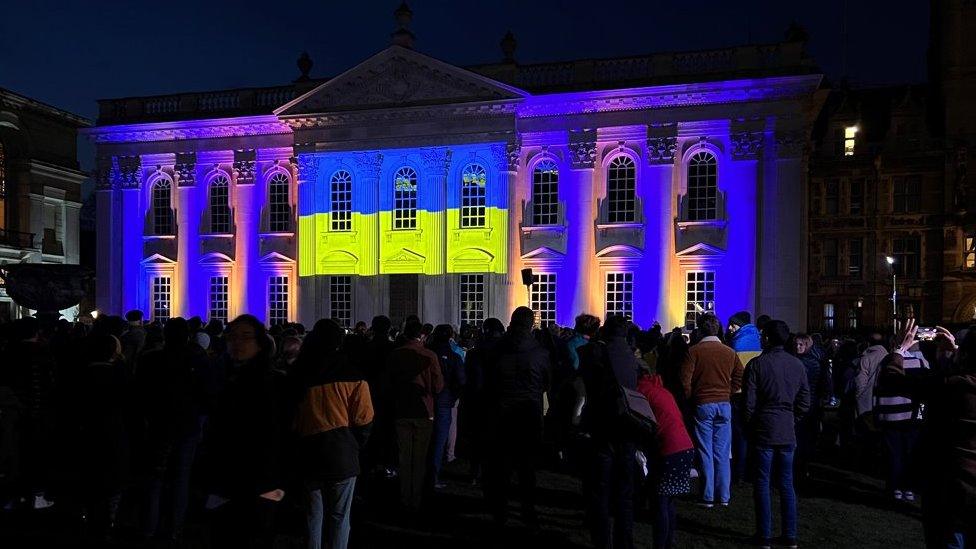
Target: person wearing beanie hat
point(743, 334)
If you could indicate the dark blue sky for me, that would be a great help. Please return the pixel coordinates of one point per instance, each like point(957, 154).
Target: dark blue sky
point(69, 53)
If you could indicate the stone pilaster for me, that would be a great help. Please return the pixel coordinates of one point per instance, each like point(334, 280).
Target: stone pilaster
point(509, 294)
point(576, 283)
point(369, 297)
point(436, 162)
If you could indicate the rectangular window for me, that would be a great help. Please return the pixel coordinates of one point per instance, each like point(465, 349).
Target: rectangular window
point(907, 252)
point(543, 298)
point(855, 256)
point(340, 297)
point(831, 193)
point(620, 294)
point(219, 207)
point(161, 297)
point(341, 202)
point(969, 256)
point(906, 192)
point(218, 298)
point(829, 257)
point(279, 205)
point(472, 300)
point(856, 202)
point(828, 316)
point(853, 317)
point(699, 295)
point(405, 200)
point(850, 136)
point(474, 182)
point(277, 300)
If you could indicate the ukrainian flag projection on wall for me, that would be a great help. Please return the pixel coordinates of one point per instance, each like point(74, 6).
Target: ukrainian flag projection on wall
point(425, 211)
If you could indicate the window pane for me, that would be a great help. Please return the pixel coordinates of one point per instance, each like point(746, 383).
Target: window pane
point(855, 256)
point(699, 295)
point(545, 193)
point(405, 199)
point(340, 198)
point(278, 204)
point(162, 211)
point(340, 297)
point(161, 292)
point(218, 298)
point(543, 298)
point(702, 187)
point(620, 294)
point(830, 257)
point(473, 184)
point(621, 190)
point(277, 300)
point(472, 300)
point(219, 205)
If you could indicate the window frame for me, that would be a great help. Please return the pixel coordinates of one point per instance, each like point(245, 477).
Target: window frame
point(830, 261)
point(340, 201)
point(907, 251)
point(405, 201)
point(906, 194)
point(278, 301)
point(618, 291)
point(829, 317)
point(220, 213)
point(161, 204)
point(545, 193)
point(702, 186)
point(969, 252)
point(542, 298)
point(855, 261)
point(698, 282)
point(621, 189)
point(472, 299)
point(474, 196)
point(161, 284)
point(218, 298)
point(279, 203)
point(341, 292)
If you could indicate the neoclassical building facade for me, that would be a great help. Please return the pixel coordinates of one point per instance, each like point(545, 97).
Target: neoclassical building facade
point(654, 187)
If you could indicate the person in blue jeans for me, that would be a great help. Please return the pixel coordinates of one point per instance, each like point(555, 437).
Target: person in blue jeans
point(777, 395)
point(710, 374)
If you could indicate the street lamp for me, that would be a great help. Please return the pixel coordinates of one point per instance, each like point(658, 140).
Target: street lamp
point(894, 293)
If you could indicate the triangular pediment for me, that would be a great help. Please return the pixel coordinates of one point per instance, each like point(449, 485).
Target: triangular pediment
point(399, 77)
point(543, 253)
point(699, 250)
point(405, 256)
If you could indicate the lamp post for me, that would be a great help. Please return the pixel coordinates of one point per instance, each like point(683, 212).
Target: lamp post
point(894, 293)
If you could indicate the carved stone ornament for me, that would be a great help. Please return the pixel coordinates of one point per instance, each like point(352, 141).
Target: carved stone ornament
point(660, 150)
point(308, 167)
point(506, 155)
point(104, 174)
point(437, 160)
point(582, 149)
point(128, 171)
point(369, 164)
point(244, 166)
point(790, 144)
point(185, 169)
point(746, 145)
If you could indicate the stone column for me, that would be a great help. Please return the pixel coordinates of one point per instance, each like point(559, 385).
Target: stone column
point(576, 283)
point(133, 211)
point(509, 292)
point(108, 257)
point(434, 286)
point(187, 289)
point(369, 299)
point(312, 289)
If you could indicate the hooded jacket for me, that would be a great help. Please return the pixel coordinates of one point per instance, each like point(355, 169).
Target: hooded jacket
point(746, 339)
point(518, 369)
point(415, 377)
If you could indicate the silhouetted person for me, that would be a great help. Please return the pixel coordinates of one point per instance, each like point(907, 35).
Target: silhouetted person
point(516, 375)
point(452, 369)
point(474, 405)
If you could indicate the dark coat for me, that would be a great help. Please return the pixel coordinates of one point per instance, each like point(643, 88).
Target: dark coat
point(245, 445)
point(517, 371)
point(176, 387)
point(414, 378)
point(102, 406)
point(777, 396)
point(600, 414)
point(452, 368)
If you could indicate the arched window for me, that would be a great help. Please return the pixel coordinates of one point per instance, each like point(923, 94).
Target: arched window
point(340, 199)
point(279, 209)
point(545, 193)
point(219, 205)
point(473, 182)
point(162, 211)
point(702, 187)
point(621, 190)
point(405, 199)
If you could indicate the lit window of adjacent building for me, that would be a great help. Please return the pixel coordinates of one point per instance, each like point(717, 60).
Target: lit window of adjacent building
point(340, 298)
point(621, 190)
point(906, 192)
point(828, 316)
point(219, 298)
point(277, 300)
point(699, 295)
point(474, 182)
point(850, 137)
point(340, 199)
point(855, 256)
point(545, 193)
point(279, 208)
point(702, 187)
point(852, 318)
point(405, 199)
point(856, 197)
point(829, 257)
point(472, 300)
point(161, 295)
point(831, 192)
point(907, 252)
point(969, 256)
point(543, 298)
point(162, 211)
point(620, 294)
point(219, 205)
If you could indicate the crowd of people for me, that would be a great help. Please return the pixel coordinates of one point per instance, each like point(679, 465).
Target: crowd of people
point(129, 424)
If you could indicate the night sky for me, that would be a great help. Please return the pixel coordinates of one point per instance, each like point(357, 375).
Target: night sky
point(70, 53)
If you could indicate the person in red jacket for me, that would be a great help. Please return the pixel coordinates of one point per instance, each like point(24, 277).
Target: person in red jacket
point(672, 464)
